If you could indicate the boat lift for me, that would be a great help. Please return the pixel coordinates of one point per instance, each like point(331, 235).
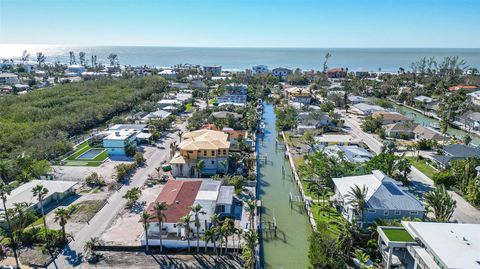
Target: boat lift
point(270, 226)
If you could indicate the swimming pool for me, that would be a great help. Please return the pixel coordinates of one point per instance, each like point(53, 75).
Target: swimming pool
point(90, 154)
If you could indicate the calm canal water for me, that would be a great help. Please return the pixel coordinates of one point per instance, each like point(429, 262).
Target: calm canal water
point(289, 249)
point(426, 121)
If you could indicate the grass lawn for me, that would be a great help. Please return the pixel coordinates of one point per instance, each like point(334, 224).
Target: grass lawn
point(423, 166)
point(398, 235)
point(188, 107)
point(212, 101)
point(327, 218)
point(86, 210)
point(81, 149)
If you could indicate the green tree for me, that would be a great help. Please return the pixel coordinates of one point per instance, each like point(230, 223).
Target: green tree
point(210, 236)
point(251, 206)
point(132, 196)
point(160, 209)
point(357, 197)
point(61, 216)
point(200, 166)
point(40, 192)
point(197, 210)
point(440, 203)
point(145, 217)
point(5, 190)
point(309, 139)
point(324, 252)
point(185, 221)
point(250, 239)
point(371, 124)
point(228, 227)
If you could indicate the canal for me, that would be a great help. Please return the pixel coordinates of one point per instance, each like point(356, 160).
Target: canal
point(289, 249)
point(426, 121)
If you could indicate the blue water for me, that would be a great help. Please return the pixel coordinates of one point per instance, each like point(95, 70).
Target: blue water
point(90, 154)
point(241, 58)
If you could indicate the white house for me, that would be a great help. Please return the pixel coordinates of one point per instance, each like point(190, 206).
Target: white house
point(430, 245)
point(167, 73)
point(75, 70)
point(57, 190)
point(475, 98)
point(384, 199)
point(8, 78)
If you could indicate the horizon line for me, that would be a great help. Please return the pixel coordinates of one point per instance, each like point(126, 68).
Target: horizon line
point(227, 47)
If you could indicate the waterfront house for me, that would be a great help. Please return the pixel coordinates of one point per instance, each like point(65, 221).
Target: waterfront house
point(402, 130)
point(226, 114)
point(428, 134)
point(299, 95)
point(214, 70)
point(474, 98)
point(180, 196)
point(117, 142)
point(355, 99)
point(57, 191)
point(471, 120)
point(362, 72)
point(235, 94)
point(336, 139)
point(423, 99)
point(259, 69)
point(168, 73)
point(8, 78)
point(430, 245)
point(354, 154)
point(208, 145)
point(75, 70)
point(312, 121)
point(454, 152)
point(365, 109)
point(184, 97)
point(390, 117)
point(338, 72)
point(281, 73)
point(385, 199)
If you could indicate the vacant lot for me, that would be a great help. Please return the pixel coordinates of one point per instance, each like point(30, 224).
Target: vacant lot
point(141, 260)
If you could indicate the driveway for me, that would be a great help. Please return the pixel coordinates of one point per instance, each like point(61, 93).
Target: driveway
point(115, 203)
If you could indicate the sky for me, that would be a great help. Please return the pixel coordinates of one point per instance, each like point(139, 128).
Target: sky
point(243, 23)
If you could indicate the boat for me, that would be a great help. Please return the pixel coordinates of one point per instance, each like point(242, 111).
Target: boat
point(434, 125)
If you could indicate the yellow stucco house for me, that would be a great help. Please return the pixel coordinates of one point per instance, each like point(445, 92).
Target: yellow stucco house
point(208, 145)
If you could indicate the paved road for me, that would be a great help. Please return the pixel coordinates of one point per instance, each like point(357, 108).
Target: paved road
point(464, 213)
point(100, 222)
point(371, 142)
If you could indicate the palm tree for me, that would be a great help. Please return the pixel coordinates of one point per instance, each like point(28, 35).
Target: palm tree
point(185, 221)
point(90, 245)
point(209, 236)
point(158, 169)
point(224, 163)
point(250, 239)
point(5, 190)
point(440, 203)
point(197, 210)
point(145, 217)
point(238, 232)
point(251, 205)
point(362, 258)
point(61, 216)
point(200, 166)
point(40, 192)
point(229, 228)
point(357, 198)
point(159, 210)
point(180, 133)
point(132, 196)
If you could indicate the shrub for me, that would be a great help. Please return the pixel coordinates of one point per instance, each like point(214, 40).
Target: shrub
point(139, 159)
point(445, 178)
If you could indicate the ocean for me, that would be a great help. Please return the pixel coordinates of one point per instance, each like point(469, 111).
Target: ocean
point(241, 58)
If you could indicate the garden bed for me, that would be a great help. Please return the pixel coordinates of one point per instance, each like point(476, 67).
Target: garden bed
point(86, 210)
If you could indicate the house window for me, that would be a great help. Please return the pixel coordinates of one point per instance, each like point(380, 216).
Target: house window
point(213, 162)
point(413, 212)
point(397, 212)
point(372, 211)
point(385, 213)
point(174, 225)
point(205, 152)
